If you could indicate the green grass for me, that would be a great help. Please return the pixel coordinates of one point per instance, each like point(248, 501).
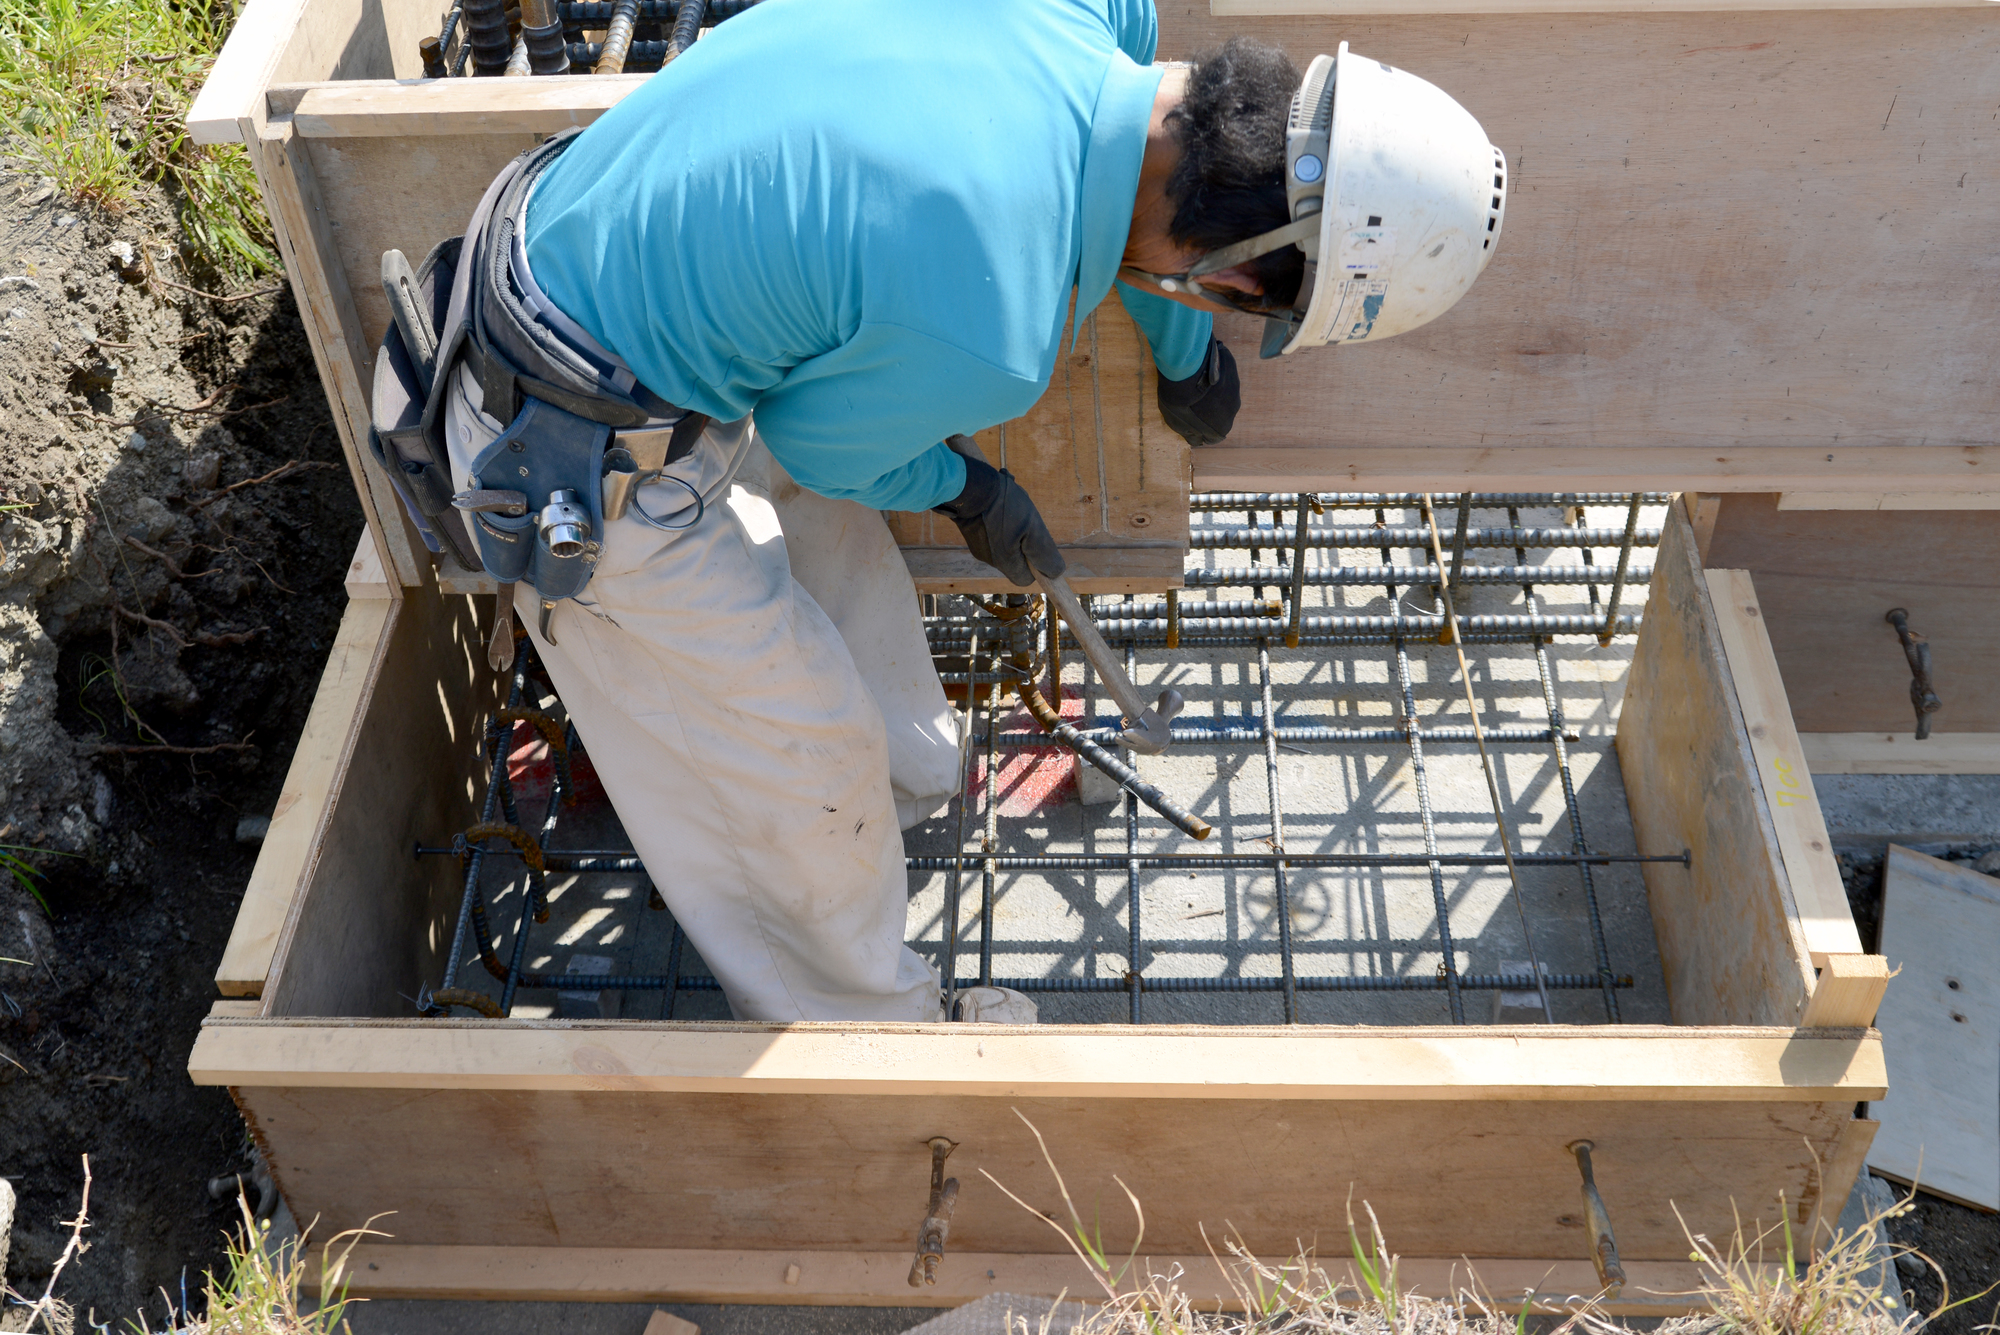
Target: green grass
point(96, 92)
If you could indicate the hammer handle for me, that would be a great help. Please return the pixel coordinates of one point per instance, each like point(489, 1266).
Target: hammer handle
point(1109, 670)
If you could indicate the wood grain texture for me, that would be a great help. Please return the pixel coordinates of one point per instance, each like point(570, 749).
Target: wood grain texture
point(387, 109)
point(1650, 1063)
point(1827, 578)
point(1941, 1029)
point(1890, 500)
point(1847, 993)
point(304, 228)
point(365, 576)
point(828, 1278)
point(298, 822)
point(1728, 928)
point(1838, 1174)
point(763, 1172)
point(1901, 753)
point(1817, 890)
point(1682, 267)
point(368, 923)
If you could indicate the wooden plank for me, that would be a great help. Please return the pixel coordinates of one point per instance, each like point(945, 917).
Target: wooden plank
point(295, 41)
point(234, 1008)
point(1424, 465)
point(1941, 1029)
point(1703, 508)
point(1091, 570)
point(1837, 1177)
point(422, 109)
point(298, 822)
point(1827, 578)
point(1847, 993)
point(365, 576)
point(1894, 500)
point(1645, 295)
point(1621, 1062)
point(1901, 753)
point(1807, 848)
point(333, 329)
point(366, 925)
point(830, 1278)
point(775, 1172)
point(1728, 929)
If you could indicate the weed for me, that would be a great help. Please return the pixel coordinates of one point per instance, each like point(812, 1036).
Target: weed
point(97, 92)
point(25, 873)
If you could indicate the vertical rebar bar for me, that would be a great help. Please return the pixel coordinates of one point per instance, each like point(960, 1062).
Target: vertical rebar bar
point(1306, 502)
point(673, 971)
point(1577, 842)
point(1281, 890)
point(1134, 938)
point(1487, 768)
point(991, 841)
point(618, 40)
point(687, 27)
point(1604, 637)
point(953, 900)
point(1440, 903)
point(486, 37)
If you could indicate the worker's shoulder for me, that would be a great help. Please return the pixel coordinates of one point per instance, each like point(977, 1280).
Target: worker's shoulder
point(908, 38)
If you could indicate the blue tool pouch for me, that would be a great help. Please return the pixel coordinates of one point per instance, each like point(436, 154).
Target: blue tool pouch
point(553, 459)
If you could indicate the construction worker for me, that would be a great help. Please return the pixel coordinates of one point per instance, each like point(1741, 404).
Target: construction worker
point(762, 299)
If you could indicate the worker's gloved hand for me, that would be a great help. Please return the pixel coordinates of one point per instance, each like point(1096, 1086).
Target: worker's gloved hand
point(1203, 406)
point(1000, 523)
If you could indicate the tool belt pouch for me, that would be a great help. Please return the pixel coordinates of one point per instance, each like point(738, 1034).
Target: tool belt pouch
point(419, 469)
point(553, 458)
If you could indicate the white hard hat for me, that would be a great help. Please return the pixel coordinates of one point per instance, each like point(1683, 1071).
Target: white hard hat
point(1396, 199)
point(1409, 193)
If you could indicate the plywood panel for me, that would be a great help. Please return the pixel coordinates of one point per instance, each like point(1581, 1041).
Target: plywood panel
point(1941, 1029)
point(1683, 266)
point(298, 821)
point(655, 1170)
point(1828, 576)
point(365, 927)
point(1728, 928)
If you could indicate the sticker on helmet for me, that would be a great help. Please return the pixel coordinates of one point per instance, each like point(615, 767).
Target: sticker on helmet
point(1367, 249)
point(1360, 306)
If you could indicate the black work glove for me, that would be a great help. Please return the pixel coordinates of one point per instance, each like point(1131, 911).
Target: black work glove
point(1203, 406)
point(1000, 523)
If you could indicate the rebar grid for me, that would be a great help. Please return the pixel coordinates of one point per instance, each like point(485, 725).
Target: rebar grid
point(1000, 649)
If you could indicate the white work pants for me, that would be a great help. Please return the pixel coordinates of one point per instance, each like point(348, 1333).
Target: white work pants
point(758, 698)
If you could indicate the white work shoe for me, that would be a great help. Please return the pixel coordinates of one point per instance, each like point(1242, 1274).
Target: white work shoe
point(996, 1005)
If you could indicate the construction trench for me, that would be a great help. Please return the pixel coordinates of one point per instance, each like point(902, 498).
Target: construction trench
point(1319, 845)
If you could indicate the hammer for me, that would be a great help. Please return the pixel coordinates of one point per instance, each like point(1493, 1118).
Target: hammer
point(1146, 726)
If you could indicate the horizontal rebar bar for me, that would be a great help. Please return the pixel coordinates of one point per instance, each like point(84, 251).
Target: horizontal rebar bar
point(1252, 861)
point(1483, 982)
point(1198, 733)
point(1415, 624)
point(1242, 535)
point(597, 13)
point(1231, 577)
point(1165, 861)
point(1362, 500)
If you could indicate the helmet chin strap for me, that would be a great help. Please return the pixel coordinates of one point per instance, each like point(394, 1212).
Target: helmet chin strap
point(1228, 299)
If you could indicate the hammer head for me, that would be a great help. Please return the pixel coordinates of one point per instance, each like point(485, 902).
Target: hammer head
point(1150, 734)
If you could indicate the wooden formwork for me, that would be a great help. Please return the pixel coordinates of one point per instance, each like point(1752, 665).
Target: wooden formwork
point(1694, 292)
point(748, 1162)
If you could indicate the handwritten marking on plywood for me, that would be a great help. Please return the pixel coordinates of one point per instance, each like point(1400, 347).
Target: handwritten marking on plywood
point(1940, 1028)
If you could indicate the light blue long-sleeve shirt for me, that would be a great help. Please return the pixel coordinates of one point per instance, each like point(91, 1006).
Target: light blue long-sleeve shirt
point(862, 221)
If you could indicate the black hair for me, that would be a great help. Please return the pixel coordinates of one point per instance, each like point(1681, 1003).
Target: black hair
point(1230, 182)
